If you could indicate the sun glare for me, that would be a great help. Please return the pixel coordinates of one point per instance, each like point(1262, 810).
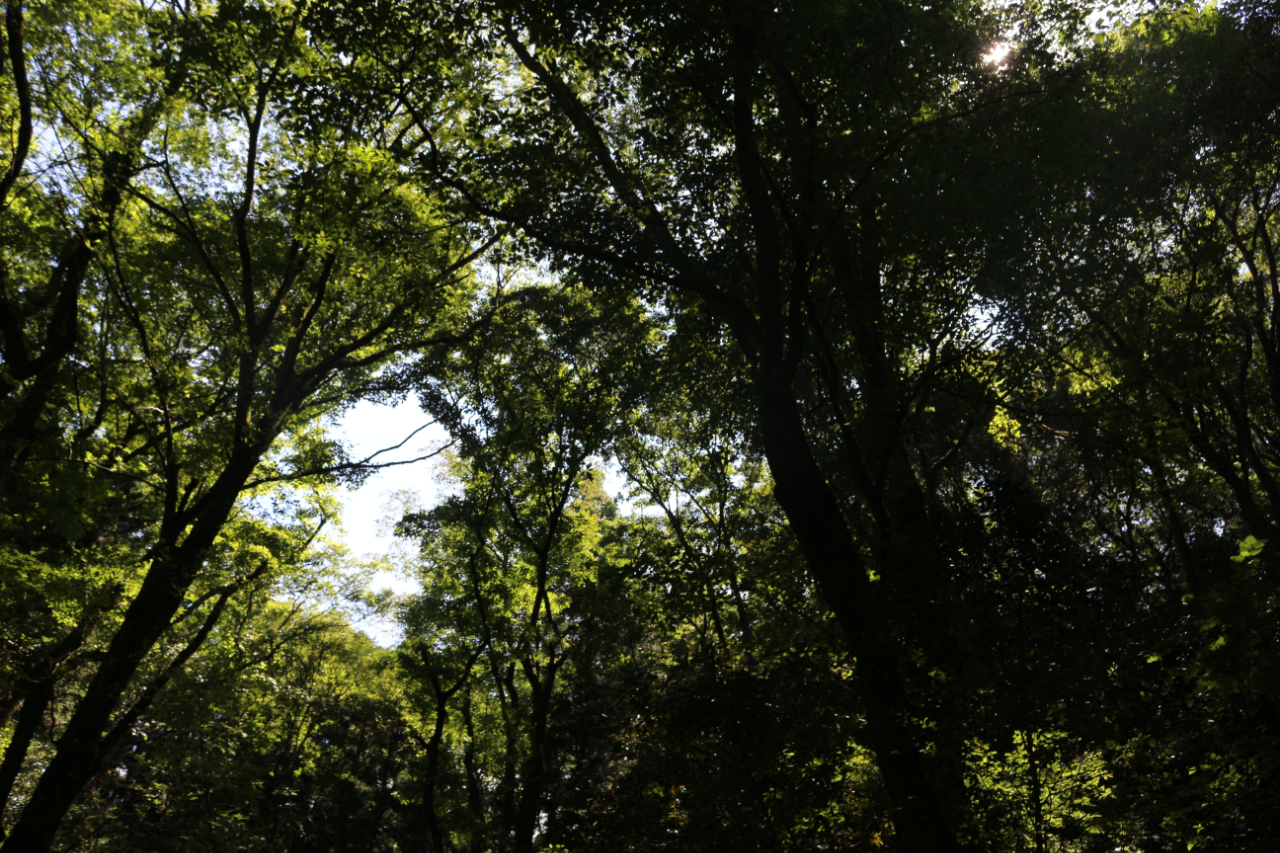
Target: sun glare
point(998, 53)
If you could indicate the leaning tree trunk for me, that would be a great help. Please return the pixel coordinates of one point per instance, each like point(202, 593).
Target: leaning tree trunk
point(837, 565)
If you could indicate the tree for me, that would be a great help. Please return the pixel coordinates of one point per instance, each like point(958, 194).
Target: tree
point(494, 636)
point(936, 345)
point(812, 190)
point(285, 730)
point(763, 169)
point(1163, 388)
point(249, 272)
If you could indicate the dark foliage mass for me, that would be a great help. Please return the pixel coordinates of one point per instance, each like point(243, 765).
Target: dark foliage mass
point(932, 352)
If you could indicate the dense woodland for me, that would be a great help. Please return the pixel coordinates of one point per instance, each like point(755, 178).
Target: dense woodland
point(936, 346)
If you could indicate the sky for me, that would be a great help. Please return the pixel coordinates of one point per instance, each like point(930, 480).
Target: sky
point(368, 512)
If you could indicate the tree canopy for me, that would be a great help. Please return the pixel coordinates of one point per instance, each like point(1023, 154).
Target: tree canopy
point(933, 352)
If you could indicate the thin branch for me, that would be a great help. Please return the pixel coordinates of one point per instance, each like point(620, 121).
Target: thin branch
point(13, 24)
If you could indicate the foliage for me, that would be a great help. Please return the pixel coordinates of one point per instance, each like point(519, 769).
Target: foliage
point(933, 349)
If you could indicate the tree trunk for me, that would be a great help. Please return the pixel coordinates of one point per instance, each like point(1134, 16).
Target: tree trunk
point(841, 574)
point(80, 750)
